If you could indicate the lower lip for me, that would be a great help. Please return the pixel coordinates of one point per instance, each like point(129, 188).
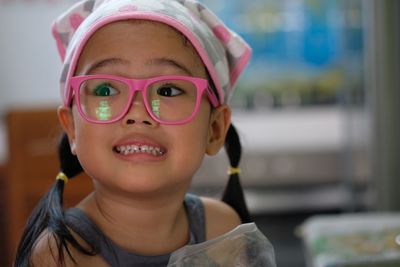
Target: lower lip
point(140, 157)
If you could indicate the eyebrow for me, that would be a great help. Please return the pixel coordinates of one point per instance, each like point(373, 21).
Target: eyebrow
point(106, 62)
point(157, 61)
point(170, 62)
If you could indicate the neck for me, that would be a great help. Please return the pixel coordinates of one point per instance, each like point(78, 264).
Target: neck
point(143, 225)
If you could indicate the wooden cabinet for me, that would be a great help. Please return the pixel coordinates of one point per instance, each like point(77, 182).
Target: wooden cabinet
point(31, 169)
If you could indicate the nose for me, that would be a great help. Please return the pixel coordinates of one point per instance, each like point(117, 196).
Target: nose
point(137, 113)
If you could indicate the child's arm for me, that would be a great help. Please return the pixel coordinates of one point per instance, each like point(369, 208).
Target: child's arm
point(220, 217)
point(45, 252)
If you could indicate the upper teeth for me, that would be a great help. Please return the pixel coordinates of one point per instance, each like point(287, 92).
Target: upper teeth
point(130, 149)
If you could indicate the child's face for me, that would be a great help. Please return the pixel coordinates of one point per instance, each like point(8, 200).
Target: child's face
point(141, 50)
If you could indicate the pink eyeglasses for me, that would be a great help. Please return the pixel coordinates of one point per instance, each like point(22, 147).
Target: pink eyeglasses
point(168, 99)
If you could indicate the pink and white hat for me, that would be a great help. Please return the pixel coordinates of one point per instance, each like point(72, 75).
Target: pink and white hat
point(223, 52)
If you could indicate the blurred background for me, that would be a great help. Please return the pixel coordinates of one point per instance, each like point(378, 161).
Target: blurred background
point(317, 110)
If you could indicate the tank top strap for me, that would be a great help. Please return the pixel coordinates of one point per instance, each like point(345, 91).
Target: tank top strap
point(196, 216)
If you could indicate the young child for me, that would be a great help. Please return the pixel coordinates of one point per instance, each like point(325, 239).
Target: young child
point(145, 85)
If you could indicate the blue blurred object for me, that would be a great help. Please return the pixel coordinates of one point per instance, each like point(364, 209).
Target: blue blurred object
point(308, 32)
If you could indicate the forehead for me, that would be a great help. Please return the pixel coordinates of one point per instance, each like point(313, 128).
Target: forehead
point(137, 26)
point(137, 41)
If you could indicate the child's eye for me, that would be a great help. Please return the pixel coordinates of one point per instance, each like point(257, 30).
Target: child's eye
point(169, 91)
point(104, 89)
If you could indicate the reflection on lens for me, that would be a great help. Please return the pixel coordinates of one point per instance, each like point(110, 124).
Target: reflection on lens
point(155, 107)
point(103, 112)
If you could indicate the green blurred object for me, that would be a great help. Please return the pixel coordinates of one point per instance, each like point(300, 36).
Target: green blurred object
point(353, 240)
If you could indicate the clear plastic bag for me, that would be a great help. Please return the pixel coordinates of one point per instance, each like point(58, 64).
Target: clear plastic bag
point(243, 246)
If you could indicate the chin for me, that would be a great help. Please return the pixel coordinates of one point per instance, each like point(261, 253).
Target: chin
point(144, 186)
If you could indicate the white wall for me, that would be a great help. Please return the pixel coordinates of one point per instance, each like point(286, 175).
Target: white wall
point(29, 62)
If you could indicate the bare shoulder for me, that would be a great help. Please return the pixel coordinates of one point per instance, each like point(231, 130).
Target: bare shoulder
point(220, 217)
point(47, 254)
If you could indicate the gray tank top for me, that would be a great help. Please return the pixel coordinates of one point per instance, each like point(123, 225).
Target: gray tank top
point(79, 222)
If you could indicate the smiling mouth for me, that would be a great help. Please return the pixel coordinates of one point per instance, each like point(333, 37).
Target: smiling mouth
point(139, 149)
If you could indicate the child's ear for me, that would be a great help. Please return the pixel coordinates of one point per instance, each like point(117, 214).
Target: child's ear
point(67, 123)
point(220, 121)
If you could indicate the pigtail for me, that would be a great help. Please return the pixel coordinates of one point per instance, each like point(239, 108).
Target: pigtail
point(233, 194)
point(49, 214)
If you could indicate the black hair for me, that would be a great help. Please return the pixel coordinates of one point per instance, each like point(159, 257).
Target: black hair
point(49, 215)
point(233, 194)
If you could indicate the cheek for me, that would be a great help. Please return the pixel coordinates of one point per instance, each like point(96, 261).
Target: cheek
point(93, 151)
point(188, 153)
point(86, 132)
point(86, 141)
point(82, 131)
point(199, 127)
point(192, 138)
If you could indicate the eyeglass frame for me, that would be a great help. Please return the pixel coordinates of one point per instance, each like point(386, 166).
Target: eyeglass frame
point(141, 85)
